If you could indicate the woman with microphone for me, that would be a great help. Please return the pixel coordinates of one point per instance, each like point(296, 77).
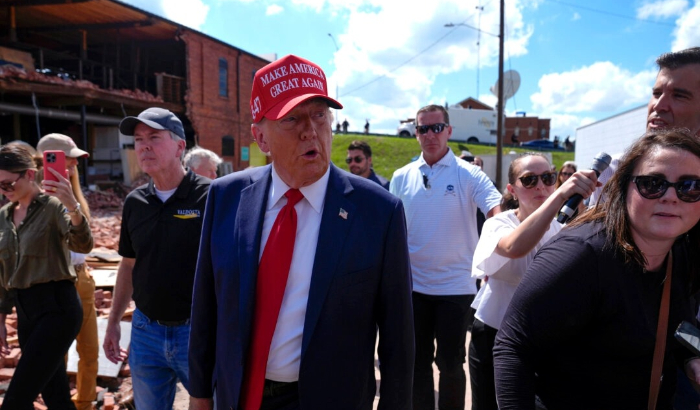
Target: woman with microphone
point(508, 244)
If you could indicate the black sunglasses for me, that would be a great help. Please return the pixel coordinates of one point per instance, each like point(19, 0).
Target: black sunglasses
point(530, 181)
point(10, 186)
point(358, 159)
point(651, 187)
point(568, 174)
point(436, 128)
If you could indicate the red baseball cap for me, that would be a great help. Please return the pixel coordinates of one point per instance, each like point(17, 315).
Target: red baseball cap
point(283, 84)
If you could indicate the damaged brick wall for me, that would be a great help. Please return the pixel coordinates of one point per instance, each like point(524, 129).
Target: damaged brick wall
point(213, 116)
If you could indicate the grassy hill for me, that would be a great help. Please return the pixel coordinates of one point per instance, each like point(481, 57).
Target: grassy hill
point(391, 152)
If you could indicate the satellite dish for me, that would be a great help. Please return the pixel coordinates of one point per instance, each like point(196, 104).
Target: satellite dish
point(511, 84)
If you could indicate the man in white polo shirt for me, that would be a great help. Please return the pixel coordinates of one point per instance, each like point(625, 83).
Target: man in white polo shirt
point(441, 196)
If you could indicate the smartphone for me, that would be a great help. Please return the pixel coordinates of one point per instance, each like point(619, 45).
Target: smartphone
point(57, 161)
point(689, 336)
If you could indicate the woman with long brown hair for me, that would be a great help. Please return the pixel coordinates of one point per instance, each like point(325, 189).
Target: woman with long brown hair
point(580, 331)
point(37, 230)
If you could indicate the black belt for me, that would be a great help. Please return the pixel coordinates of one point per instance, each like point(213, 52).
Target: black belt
point(272, 388)
point(170, 323)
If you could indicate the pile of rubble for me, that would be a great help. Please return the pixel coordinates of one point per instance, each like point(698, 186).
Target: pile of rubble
point(16, 74)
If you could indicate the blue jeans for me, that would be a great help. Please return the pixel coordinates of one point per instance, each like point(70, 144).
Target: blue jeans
point(158, 358)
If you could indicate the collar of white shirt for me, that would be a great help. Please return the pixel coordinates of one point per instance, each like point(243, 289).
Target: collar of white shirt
point(314, 193)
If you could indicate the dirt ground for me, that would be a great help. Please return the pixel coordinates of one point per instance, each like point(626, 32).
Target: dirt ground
point(182, 399)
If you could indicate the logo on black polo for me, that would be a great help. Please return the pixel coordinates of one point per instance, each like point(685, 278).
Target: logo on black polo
point(187, 214)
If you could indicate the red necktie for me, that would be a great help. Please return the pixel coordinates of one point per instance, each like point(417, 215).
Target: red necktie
point(269, 290)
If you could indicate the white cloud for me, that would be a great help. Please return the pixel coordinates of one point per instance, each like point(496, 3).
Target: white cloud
point(575, 17)
point(600, 87)
point(413, 32)
point(662, 9)
point(190, 13)
point(273, 9)
point(566, 124)
point(687, 33)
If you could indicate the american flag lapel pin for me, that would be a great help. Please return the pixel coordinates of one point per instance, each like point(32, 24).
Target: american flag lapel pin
point(343, 213)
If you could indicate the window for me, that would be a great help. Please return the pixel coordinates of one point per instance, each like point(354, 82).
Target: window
point(228, 146)
point(223, 77)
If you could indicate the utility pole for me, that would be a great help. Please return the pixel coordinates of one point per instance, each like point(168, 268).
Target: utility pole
point(501, 105)
point(336, 49)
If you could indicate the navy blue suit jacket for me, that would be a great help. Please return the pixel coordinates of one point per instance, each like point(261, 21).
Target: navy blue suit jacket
point(360, 284)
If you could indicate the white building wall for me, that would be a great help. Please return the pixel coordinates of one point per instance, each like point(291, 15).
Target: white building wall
point(612, 135)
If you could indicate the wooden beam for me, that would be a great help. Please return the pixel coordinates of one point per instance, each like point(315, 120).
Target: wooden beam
point(89, 27)
point(29, 3)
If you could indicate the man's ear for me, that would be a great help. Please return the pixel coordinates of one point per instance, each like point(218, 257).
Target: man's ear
point(259, 135)
point(181, 147)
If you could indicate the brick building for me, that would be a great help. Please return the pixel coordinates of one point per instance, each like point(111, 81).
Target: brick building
point(79, 66)
point(525, 128)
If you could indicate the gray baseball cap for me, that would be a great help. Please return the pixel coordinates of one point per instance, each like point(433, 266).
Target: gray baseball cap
point(157, 118)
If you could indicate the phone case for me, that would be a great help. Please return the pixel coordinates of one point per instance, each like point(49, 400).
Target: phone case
point(57, 161)
point(689, 336)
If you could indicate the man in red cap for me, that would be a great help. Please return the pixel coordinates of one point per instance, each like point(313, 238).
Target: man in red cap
point(300, 264)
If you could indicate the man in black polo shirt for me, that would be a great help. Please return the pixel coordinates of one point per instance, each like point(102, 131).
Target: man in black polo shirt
point(161, 226)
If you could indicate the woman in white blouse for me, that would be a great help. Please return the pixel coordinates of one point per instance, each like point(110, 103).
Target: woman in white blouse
point(508, 243)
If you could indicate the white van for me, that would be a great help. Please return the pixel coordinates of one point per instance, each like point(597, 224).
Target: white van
point(473, 125)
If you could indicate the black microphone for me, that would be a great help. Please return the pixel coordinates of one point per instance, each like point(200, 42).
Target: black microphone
point(601, 162)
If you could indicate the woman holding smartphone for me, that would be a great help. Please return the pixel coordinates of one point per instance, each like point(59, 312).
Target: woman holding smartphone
point(87, 343)
point(581, 329)
point(37, 231)
point(506, 248)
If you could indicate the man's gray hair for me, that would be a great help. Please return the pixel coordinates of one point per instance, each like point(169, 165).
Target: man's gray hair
point(194, 157)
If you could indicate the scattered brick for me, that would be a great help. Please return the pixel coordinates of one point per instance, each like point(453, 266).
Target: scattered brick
point(125, 371)
point(108, 403)
point(6, 373)
point(12, 359)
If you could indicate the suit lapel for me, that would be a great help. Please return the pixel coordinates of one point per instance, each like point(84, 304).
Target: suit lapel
point(251, 211)
point(331, 241)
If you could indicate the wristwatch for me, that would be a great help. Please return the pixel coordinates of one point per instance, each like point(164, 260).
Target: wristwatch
point(76, 211)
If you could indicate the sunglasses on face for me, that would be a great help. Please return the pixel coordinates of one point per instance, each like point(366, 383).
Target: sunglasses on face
point(530, 181)
point(10, 186)
point(651, 187)
point(567, 174)
point(436, 128)
point(358, 159)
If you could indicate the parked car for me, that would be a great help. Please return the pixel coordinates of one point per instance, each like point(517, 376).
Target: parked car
point(540, 145)
point(407, 128)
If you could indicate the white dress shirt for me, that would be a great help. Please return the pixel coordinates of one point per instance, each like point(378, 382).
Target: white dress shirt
point(285, 350)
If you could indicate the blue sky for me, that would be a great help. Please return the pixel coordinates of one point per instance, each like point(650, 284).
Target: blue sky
point(579, 61)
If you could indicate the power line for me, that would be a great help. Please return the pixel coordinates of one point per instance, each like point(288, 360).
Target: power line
point(609, 13)
point(454, 27)
point(417, 55)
